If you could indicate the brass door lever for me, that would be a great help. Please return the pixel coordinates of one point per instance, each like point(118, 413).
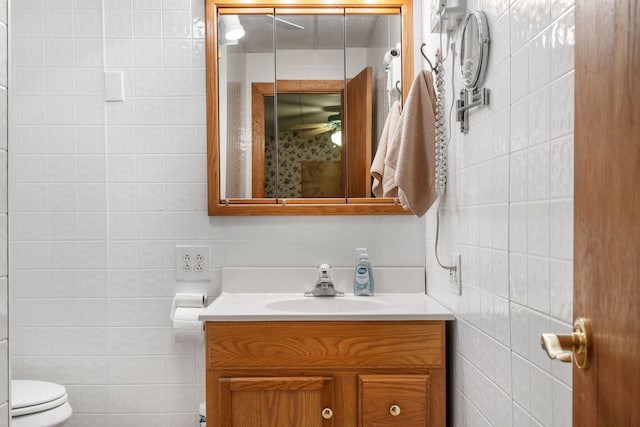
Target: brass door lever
point(578, 343)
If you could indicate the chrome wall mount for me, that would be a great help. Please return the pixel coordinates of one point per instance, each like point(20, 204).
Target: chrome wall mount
point(468, 99)
point(474, 55)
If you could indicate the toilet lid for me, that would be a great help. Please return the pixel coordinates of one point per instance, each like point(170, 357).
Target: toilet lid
point(29, 397)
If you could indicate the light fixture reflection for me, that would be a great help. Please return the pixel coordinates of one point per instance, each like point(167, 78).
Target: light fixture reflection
point(336, 138)
point(231, 28)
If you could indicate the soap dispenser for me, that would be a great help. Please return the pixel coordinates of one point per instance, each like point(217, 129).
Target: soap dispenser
point(363, 277)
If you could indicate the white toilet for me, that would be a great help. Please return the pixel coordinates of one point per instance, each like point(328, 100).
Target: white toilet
point(38, 404)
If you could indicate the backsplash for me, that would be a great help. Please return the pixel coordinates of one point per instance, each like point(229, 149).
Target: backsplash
point(100, 194)
point(509, 212)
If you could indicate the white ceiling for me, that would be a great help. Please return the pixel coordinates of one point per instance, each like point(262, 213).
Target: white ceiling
point(320, 32)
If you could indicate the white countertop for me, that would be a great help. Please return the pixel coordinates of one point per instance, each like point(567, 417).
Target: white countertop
point(244, 307)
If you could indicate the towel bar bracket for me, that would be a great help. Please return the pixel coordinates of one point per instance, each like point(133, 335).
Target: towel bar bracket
point(467, 100)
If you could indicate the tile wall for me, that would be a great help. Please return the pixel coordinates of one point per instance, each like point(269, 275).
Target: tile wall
point(4, 271)
point(100, 193)
point(509, 212)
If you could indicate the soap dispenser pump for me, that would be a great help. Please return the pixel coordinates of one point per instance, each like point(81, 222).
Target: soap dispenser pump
point(363, 277)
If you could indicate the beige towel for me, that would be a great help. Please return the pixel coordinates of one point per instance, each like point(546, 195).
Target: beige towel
point(384, 176)
point(412, 149)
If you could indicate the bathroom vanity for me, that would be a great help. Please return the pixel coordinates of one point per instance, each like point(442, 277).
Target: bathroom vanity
point(333, 373)
point(282, 359)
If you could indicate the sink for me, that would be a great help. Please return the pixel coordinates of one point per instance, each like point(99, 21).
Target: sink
point(324, 305)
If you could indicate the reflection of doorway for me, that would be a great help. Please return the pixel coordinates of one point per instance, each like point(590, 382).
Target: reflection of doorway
point(358, 157)
point(260, 163)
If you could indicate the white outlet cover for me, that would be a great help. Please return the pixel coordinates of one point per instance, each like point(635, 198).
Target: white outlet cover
point(193, 263)
point(455, 276)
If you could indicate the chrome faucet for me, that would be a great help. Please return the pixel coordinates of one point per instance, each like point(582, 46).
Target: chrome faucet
point(324, 285)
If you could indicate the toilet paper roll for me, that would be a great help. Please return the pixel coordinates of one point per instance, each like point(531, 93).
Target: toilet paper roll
point(187, 300)
point(186, 326)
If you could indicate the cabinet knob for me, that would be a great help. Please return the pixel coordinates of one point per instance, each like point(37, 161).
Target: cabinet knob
point(394, 410)
point(327, 413)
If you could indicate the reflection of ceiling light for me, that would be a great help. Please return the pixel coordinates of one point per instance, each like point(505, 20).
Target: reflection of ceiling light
point(336, 138)
point(231, 28)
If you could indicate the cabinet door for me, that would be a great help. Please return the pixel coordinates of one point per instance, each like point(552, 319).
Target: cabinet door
point(394, 400)
point(276, 402)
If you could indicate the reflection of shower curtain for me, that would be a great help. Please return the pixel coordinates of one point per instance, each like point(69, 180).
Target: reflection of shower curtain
point(236, 156)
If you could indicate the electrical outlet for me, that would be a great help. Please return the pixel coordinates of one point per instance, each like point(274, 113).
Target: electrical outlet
point(192, 263)
point(455, 276)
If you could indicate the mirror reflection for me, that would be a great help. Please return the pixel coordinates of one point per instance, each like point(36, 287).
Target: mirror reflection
point(302, 101)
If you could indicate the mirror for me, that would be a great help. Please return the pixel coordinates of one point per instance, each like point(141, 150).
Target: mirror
point(297, 98)
point(474, 50)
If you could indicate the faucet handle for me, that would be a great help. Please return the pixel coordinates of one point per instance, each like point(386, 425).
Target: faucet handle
point(324, 270)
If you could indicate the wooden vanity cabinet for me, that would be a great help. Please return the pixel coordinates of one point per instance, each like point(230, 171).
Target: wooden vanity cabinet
point(321, 374)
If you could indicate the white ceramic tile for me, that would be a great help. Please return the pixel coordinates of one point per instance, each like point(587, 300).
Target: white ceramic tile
point(561, 227)
point(541, 396)
point(562, 105)
point(148, 111)
point(178, 82)
point(539, 16)
point(559, 6)
point(519, 18)
point(58, 23)
point(91, 197)
point(500, 176)
point(147, 23)
point(150, 197)
point(147, 4)
point(139, 311)
point(561, 164)
point(30, 81)
point(179, 111)
point(148, 82)
point(562, 44)
point(539, 116)
point(520, 124)
point(61, 111)
point(520, 382)
point(60, 341)
point(89, 111)
point(518, 277)
point(92, 226)
point(176, 24)
point(539, 61)
point(538, 289)
point(177, 53)
point(562, 398)
point(538, 171)
point(519, 331)
point(119, 53)
point(117, 4)
point(88, 23)
point(179, 139)
point(502, 332)
point(518, 227)
point(120, 139)
point(538, 229)
point(28, 23)
point(561, 287)
point(138, 398)
point(519, 175)
point(149, 139)
point(122, 226)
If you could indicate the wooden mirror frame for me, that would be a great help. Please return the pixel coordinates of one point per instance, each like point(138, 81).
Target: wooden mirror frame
point(301, 206)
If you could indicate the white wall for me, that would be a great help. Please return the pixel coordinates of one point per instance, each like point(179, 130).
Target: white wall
point(4, 324)
point(101, 193)
point(509, 211)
